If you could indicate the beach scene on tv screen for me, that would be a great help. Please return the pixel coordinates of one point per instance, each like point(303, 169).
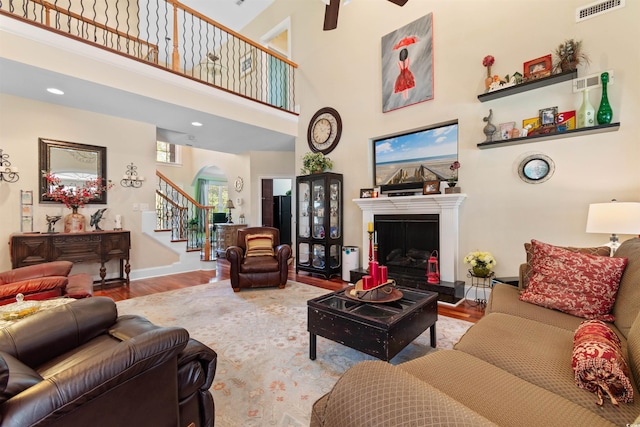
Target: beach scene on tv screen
point(416, 157)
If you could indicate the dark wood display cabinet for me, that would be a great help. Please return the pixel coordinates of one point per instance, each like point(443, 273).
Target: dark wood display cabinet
point(319, 225)
point(90, 247)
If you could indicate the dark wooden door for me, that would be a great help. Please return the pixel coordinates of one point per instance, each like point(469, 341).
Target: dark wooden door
point(267, 203)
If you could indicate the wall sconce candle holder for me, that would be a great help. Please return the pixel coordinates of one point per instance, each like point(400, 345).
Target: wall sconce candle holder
point(131, 178)
point(7, 172)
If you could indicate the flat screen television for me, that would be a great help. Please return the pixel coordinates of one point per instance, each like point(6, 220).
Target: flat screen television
point(404, 161)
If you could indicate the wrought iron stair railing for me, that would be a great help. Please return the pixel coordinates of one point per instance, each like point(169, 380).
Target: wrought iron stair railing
point(172, 36)
point(185, 218)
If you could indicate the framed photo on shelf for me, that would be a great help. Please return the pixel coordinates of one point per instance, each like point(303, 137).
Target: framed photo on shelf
point(548, 116)
point(505, 130)
point(366, 193)
point(539, 67)
point(431, 187)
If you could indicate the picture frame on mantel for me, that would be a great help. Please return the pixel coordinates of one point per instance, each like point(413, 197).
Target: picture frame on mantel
point(366, 193)
point(407, 64)
point(431, 187)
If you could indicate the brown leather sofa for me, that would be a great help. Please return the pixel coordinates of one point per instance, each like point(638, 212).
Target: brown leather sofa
point(44, 281)
point(258, 271)
point(82, 365)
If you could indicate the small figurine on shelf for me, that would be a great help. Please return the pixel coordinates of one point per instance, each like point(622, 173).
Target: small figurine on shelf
point(489, 128)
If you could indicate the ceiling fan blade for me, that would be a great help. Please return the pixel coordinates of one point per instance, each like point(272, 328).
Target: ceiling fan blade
point(331, 15)
point(399, 2)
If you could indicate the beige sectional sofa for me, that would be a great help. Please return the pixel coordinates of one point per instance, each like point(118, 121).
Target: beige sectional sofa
point(512, 368)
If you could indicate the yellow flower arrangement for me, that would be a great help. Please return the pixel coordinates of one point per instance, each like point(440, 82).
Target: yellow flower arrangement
point(480, 261)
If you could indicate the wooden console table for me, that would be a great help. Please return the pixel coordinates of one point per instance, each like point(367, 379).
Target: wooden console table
point(226, 235)
point(91, 247)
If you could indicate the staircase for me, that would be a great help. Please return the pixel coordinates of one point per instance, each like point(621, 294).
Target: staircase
point(182, 224)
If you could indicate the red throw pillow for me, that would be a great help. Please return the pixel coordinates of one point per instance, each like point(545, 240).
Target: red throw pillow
point(598, 363)
point(597, 250)
point(579, 284)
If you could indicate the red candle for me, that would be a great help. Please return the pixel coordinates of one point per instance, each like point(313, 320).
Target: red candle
point(383, 274)
point(367, 282)
point(373, 272)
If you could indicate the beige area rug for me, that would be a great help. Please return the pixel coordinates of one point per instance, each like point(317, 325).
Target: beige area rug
point(264, 375)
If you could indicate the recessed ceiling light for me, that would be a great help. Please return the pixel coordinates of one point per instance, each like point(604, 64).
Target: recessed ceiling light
point(196, 124)
point(55, 91)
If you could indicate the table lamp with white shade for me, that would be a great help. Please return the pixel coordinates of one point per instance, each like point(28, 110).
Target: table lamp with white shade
point(614, 218)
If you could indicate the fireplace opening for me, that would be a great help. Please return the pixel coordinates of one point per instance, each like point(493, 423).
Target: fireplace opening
point(405, 242)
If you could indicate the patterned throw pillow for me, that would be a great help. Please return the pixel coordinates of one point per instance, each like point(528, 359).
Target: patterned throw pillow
point(579, 284)
point(598, 363)
point(528, 248)
point(259, 245)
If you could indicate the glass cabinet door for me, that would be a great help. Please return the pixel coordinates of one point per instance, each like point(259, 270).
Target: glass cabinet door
point(335, 228)
point(318, 212)
point(303, 209)
point(318, 256)
point(334, 256)
point(303, 254)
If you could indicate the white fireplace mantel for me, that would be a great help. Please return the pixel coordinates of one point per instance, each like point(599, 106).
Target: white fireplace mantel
point(445, 205)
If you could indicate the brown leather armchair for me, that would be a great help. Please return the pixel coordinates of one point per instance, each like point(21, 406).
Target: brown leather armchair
point(81, 364)
point(258, 271)
point(44, 281)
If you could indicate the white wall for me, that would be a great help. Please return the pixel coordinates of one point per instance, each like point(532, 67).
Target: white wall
point(341, 69)
point(23, 121)
point(281, 186)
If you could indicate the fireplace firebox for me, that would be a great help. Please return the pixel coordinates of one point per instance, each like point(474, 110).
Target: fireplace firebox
point(405, 242)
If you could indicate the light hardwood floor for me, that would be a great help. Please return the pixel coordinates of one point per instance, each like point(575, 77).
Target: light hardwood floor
point(143, 287)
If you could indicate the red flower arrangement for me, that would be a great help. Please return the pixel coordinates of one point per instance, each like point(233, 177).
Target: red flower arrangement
point(454, 167)
point(488, 62)
point(73, 197)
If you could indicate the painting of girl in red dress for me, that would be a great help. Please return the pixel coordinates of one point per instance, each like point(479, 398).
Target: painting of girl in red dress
point(405, 80)
point(407, 65)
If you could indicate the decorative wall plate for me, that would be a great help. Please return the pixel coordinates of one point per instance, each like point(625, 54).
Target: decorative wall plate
point(239, 184)
point(536, 168)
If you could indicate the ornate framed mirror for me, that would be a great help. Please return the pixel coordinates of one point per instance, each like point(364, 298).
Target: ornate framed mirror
point(73, 163)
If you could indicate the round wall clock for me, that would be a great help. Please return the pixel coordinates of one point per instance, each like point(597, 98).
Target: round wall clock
point(536, 168)
point(324, 130)
point(239, 184)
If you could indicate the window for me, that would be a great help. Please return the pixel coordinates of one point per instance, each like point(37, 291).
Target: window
point(167, 153)
point(217, 195)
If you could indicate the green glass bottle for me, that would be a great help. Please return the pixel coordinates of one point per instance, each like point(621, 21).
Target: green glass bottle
point(605, 114)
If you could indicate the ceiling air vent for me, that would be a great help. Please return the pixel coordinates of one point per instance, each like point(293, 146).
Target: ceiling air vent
point(597, 8)
point(590, 82)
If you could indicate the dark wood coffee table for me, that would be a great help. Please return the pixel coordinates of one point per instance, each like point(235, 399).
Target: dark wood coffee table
point(380, 330)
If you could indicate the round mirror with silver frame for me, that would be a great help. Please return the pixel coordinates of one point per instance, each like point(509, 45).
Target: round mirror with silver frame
point(536, 168)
